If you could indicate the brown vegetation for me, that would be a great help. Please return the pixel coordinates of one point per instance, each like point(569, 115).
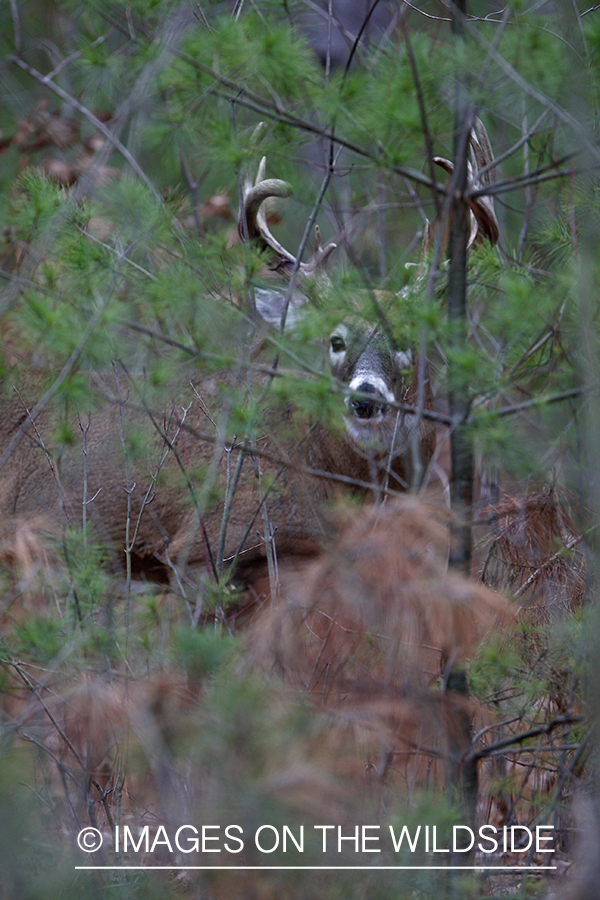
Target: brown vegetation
point(534, 551)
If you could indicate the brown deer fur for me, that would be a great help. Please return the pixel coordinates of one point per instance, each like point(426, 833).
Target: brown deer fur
point(36, 478)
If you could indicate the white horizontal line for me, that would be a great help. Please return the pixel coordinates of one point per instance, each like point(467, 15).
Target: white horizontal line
point(328, 868)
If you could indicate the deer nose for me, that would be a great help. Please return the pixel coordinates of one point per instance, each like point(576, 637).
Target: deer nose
point(367, 407)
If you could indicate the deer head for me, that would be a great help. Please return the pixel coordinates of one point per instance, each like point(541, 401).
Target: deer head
point(377, 379)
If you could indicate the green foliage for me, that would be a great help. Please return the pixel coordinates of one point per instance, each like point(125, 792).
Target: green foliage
point(382, 103)
point(40, 638)
point(203, 653)
point(533, 663)
point(539, 57)
point(138, 222)
point(259, 51)
point(30, 864)
point(89, 580)
point(36, 201)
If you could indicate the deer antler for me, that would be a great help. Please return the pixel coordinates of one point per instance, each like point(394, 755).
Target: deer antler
point(484, 224)
point(252, 223)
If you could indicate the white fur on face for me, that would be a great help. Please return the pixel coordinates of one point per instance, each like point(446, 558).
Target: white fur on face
point(386, 429)
point(389, 433)
point(365, 376)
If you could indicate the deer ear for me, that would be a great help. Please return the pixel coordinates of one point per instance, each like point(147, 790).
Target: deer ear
point(270, 304)
point(404, 359)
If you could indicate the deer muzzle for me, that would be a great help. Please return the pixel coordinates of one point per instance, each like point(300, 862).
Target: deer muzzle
point(373, 406)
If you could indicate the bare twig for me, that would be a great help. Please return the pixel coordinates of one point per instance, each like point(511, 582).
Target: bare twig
point(89, 115)
point(16, 25)
point(25, 678)
point(546, 728)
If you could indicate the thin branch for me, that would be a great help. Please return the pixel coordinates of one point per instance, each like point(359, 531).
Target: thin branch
point(251, 100)
point(547, 728)
point(543, 99)
point(569, 545)
point(372, 7)
point(422, 110)
point(16, 25)
point(89, 115)
point(18, 669)
point(307, 232)
point(539, 401)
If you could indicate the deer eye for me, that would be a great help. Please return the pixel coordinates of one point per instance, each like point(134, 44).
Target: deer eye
point(337, 343)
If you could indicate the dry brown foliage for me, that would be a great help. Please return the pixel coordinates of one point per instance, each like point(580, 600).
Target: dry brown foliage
point(536, 552)
point(381, 588)
point(372, 625)
point(372, 631)
point(27, 557)
point(368, 637)
point(105, 744)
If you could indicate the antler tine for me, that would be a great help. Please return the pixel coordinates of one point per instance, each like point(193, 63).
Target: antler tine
point(484, 224)
point(320, 255)
point(482, 153)
point(483, 207)
point(253, 217)
point(253, 222)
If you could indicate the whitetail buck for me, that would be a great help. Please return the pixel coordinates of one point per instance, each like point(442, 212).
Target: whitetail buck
point(306, 464)
point(274, 480)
